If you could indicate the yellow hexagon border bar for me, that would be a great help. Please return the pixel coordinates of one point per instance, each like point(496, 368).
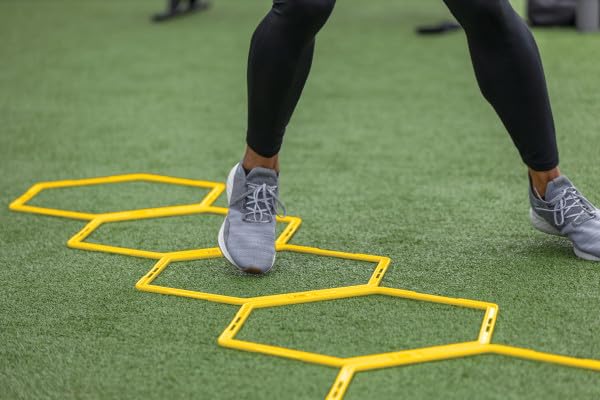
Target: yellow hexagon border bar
point(20, 204)
point(77, 241)
point(350, 365)
point(145, 284)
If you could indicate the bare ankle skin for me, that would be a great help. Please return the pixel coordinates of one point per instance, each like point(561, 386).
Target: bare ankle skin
point(540, 179)
point(252, 160)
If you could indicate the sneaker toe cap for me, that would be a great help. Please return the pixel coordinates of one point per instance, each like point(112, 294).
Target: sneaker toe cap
point(254, 254)
point(254, 262)
point(586, 239)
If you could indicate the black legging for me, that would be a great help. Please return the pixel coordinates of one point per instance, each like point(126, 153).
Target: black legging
point(504, 54)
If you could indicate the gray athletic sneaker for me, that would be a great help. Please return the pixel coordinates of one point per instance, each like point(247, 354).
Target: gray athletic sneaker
point(247, 236)
point(565, 212)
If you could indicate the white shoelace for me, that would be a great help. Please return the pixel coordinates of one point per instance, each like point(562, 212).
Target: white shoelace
point(565, 207)
point(260, 202)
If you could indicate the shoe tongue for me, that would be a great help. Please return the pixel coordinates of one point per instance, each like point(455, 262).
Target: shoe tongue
point(556, 186)
point(261, 175)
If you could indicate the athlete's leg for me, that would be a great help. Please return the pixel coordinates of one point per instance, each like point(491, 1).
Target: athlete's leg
point(510, 74)
point(280, 57)
point(269, 143)
point(509, 71)
point(281, 54)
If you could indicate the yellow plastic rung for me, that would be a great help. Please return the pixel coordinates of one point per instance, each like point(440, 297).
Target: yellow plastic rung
point(342, 381)
point(533, 355)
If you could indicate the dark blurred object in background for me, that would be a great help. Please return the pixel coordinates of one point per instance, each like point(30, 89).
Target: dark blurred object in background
point(174, 9)
point(442, 27)
point(584, 14)
point(551, 12)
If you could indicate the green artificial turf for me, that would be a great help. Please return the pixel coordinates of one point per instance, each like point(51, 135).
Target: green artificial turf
point(392, 151)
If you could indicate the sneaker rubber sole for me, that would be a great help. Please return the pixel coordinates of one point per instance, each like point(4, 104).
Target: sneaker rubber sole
point(542, 225)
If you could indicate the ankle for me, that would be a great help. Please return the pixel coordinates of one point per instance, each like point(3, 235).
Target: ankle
point(252, 160)
point(539, 179)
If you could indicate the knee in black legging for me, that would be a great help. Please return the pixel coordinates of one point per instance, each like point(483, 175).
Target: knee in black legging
point(482, 15)
point(305, 12)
